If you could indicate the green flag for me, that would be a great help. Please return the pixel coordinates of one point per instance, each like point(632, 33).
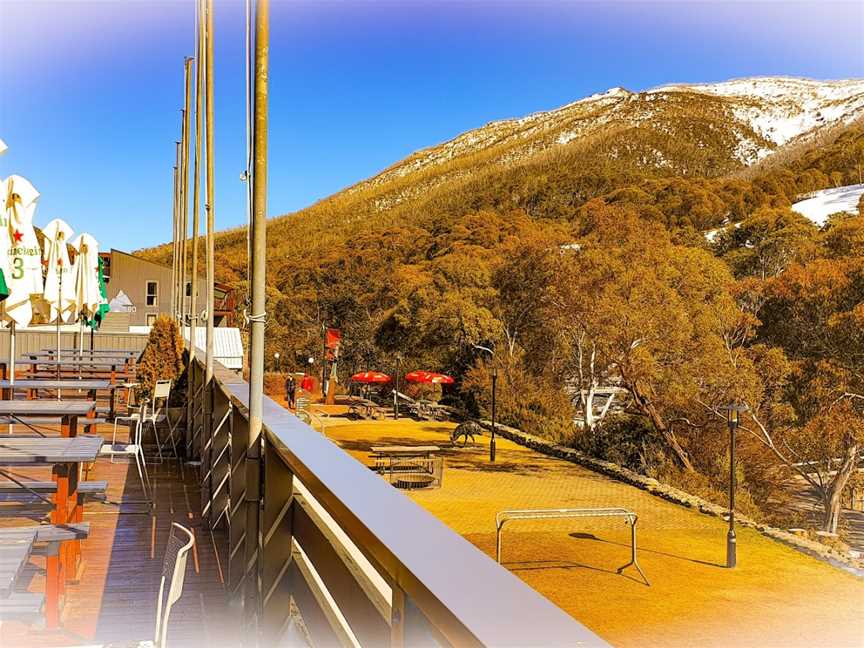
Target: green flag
point(4, 289)
point(96, 322)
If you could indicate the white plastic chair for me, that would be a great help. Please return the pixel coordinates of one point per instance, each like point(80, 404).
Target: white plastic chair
point(132, 449)
point(180, 543)
point(158, 414)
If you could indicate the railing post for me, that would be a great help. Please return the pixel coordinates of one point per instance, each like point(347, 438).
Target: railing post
point(276, 547)
point(408, 627)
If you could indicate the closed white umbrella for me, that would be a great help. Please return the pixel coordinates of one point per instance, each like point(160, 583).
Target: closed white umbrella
point(59, 293)
point(86, 272)
point(25, 269)
point(19, 255)
point(88, 297)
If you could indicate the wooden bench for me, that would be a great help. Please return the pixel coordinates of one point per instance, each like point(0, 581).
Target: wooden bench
point(25, 607)
point(34, 507)
point(87, 489)
point(44, 420)
point(49, 536)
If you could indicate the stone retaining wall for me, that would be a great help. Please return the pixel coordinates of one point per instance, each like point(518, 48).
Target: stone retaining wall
point(675, 495)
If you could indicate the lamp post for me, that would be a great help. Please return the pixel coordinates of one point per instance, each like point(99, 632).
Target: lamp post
point(396, 392)
point(733, 414)
point(276, 361)
point(494, 390)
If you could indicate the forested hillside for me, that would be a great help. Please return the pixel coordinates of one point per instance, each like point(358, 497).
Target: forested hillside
point(586, 265)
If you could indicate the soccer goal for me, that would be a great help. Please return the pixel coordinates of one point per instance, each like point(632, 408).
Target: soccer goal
point(503, 517)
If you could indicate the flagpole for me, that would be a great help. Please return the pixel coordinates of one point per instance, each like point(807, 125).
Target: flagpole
point(174, 241)
point(187, 125)
point(255, 450)
point(209, 198)
point(196, 209)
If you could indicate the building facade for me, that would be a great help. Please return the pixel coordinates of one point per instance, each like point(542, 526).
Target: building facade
point(146, 289)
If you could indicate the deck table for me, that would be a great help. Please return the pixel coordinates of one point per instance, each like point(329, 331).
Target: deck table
point(90, 385)
point(65, 455)
point(70, 353)
point(95, 366)
point(15, 548)
point(67, 411)
point(119, 358)
point(405, 451)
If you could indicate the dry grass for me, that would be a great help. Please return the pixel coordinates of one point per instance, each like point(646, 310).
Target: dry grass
point(776, 596)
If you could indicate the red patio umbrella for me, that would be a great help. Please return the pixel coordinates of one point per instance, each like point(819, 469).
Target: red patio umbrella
point(441, 379)
point(370, 378)
point(431, 377)
point(418, 376)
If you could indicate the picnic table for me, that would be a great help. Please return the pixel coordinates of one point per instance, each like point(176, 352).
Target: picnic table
point(83, 352)
point(90, 385)
point(405, 451)
point(65, 455)
point(95, 366)
point(365, 408)
point(122, 358)
point(409, 466)
point(15, 548)
point(67, 411)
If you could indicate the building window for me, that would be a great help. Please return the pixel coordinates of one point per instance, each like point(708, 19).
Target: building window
point(151, 319)
point(152, 293)
point(188, 288)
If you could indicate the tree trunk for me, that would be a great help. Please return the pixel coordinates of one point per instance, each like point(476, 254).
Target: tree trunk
point(647, 408)
point(832, 496)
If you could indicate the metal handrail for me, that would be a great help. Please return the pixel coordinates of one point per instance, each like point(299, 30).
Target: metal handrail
point(464, 596)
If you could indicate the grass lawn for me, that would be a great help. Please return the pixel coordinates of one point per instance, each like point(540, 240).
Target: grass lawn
point(775, 597)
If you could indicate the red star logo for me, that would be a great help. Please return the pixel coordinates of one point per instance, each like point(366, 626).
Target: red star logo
point(18, 236)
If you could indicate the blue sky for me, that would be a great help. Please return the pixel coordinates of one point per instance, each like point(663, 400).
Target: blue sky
point(91, 90)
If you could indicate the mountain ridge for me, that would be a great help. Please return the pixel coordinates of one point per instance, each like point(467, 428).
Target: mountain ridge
point(759, 115)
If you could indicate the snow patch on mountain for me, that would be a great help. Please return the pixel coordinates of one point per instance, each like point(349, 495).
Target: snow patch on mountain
point(821, 204)
point(780, 109)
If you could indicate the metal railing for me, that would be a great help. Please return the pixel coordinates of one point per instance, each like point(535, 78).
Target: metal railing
point(345, 558)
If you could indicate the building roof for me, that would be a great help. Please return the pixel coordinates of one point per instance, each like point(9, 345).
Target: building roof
point(227, 345)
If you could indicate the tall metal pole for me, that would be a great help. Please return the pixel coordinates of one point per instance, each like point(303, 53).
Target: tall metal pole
point(494, 391)
point(255, 451)
point(196, 209)
point(187, 116)
point(209, 198)
point(181, 196)
point(174, 238)
point(176, 291)
point(731, 541)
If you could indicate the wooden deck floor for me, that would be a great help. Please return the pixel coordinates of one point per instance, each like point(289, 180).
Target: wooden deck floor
point(116, 596)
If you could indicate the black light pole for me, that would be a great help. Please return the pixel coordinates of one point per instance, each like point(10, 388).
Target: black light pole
point(396, 393)
point(494, 390)
point(733, 413)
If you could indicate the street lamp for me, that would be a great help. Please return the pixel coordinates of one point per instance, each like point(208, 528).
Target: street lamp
point(396, 392)
point(733, 415)
point(276, 361)
point(494, 389)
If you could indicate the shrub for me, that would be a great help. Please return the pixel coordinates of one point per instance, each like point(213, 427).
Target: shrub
point(163, 356)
